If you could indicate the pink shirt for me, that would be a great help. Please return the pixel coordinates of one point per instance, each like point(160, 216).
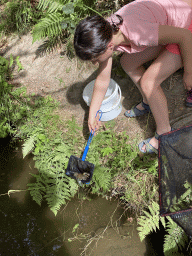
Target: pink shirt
point(142, 18)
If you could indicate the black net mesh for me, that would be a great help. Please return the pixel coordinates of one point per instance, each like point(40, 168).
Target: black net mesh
point(80, 170)
point(175, 176)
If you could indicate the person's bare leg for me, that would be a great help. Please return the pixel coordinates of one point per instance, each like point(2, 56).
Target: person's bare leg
point(133, 66)
point(165, 65)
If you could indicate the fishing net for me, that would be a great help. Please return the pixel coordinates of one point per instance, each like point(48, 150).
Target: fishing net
point(80, 170)
point(175, 177)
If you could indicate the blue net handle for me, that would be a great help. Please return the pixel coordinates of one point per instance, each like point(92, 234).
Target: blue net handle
point(90, 137)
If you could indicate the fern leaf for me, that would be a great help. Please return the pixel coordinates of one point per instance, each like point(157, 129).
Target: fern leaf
point(102, 179)
point(174, 240)
point(28, 146)
point(73, 187)
point(54, 7)
point(43, 4)
point(20, 67)
point(150, 221)
point(57, 192)
point(35, 193)
point(37, 189)
point(48, 27)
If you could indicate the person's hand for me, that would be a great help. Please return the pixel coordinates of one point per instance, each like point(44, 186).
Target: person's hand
point(93, 123)
point(187, 80)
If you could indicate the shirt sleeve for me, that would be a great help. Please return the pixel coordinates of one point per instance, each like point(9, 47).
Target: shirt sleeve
point(143, 32)
point(141, 22)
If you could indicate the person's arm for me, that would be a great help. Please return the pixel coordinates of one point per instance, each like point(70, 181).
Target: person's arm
point(99, 91)
point(183, 37)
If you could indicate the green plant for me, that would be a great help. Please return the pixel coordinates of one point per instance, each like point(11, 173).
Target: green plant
point(175, 238)
point(12, 106)
point(101, 180)
point(180, 203)
point(51, 155)
point(150, 221)
point(52, 142)
point(60, 81)
point(30, 119)
point(52, 149)
point(77, 236)
point(19, 16)
point(132, 177)
point(60, 20)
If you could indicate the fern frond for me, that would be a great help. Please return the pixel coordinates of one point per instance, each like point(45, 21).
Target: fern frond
point(50, 5)
point(57, 194)
point(48, 27)
point(175, 239)
point(150, 221)
point(35, 192)
point(37, 189)
point(102, 179)
point(43, 4)
point(28, 146)
point(54, 7)
point(73, 187)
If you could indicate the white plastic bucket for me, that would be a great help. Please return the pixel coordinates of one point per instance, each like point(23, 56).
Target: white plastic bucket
point(111, 105)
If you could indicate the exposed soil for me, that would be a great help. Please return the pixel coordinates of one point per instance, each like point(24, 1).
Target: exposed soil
point(54, 74)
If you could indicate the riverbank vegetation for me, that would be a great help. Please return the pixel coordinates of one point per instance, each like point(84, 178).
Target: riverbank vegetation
point(120, 170)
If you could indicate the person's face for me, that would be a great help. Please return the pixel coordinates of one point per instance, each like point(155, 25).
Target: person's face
point(104, 56)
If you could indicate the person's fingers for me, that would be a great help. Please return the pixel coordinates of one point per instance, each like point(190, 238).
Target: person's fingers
point(94, 124)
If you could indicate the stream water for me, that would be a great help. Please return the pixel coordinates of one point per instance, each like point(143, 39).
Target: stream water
point(28, 229)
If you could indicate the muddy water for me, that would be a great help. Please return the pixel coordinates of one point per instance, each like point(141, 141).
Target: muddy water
point(28, 229)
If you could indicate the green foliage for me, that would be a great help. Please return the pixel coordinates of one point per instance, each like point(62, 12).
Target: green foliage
point(35, 123)
point(101, 179)
point(49, 26)
point(150, 221)
point(109, 152)
point(19, 17)
point(51, 154)
point(28, 146)
point(37, 189)
point(180, 203)
point(60, 19)
point(20, 67)
point(52, 142)
point(12, 108)
point(132, 177)
point(175, 240)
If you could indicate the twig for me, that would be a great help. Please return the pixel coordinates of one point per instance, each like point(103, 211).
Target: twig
point(12, 191)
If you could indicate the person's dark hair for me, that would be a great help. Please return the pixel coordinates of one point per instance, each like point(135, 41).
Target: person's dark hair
point(92, 36)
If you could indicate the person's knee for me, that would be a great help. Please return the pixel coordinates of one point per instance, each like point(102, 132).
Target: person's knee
point(149, 83)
